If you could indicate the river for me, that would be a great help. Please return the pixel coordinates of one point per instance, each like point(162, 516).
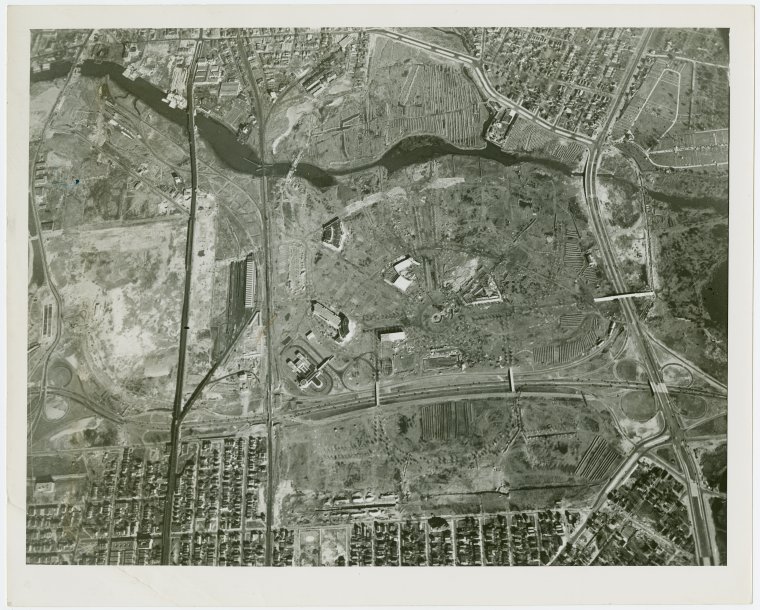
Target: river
point(240, 157)
point(679, 203)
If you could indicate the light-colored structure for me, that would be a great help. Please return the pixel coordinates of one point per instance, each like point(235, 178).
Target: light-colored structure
point(393, 336)
point(402, 283)
point(250, 280)
point(326, 314)
point(208, 73)
point(229, 89)
point(628, 295)
point(404, 264)
point(179, 79)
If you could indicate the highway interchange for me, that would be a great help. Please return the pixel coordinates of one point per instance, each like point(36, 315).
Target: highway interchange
point(636, 331)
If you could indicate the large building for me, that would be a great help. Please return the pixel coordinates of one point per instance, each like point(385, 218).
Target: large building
point(250, 280)
point(229, 89)
point(208, 73)
point(306, 372)
point(392, 336)
point(326, 314)
point(333, 234)
point(402, 283)
point(402, 276)
point(402, 265)
point(336, 321)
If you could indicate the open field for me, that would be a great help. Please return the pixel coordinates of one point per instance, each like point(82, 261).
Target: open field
point(122, 339)
point(523, 300)
point(450, 456)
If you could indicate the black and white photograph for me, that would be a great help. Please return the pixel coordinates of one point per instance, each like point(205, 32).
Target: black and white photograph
point(373, 296)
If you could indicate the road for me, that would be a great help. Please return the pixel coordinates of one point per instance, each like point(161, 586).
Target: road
point(621, 474)
point(482, 81)
point(638, 333)
point(179, 391)
point(91, 405)
point(45, 358)
point(452, 387)
point(267, 308)
point(459, 387)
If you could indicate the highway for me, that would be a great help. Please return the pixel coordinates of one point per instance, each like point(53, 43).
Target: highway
point(621, 474)
point(88, 404)
point(179, 390)
point(693, 368)
point(267, 302)
point(45, 358)
point(638, 333)
point(634, 326)
point(461, 388)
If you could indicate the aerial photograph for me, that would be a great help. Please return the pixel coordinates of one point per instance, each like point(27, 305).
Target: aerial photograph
point(378, 297)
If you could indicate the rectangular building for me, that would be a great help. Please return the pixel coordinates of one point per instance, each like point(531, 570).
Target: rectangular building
point(326, 314)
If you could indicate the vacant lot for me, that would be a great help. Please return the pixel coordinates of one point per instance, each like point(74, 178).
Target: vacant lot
point(121, 293)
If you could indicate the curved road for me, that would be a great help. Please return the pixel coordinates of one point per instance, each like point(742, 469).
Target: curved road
point(704, 552)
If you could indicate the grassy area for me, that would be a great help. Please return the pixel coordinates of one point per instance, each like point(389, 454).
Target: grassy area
point(659, 112)
point(691, 407)
point(638, 405)
point(713, 464)
point(110, 277)
point(689, 240)
point(718, 507)
point(715, 426)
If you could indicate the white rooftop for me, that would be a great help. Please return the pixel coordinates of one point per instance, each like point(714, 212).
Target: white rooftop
point(402, 283)
point(399, 335)
point(404, 263)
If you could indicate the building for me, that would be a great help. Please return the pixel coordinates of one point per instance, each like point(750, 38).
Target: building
point(392, 336)
point(402, 283)
point(44, 484)
point(229, 89)
point(337, 321)
point(404, 264)
point(179, 79)
point(333, 234)
point(131, 52)
point(250, 280)
point(326, 314)
point(347, 41)
point(306, 373)
point(208, 73)
point(300, 364)
point(402, 277)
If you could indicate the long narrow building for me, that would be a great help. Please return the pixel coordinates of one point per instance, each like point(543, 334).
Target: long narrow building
point(250, 281)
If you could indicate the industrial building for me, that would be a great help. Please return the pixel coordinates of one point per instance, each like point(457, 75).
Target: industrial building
point(392, 336)
point(333, 234)
point(336, 321)
point(250, 280)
